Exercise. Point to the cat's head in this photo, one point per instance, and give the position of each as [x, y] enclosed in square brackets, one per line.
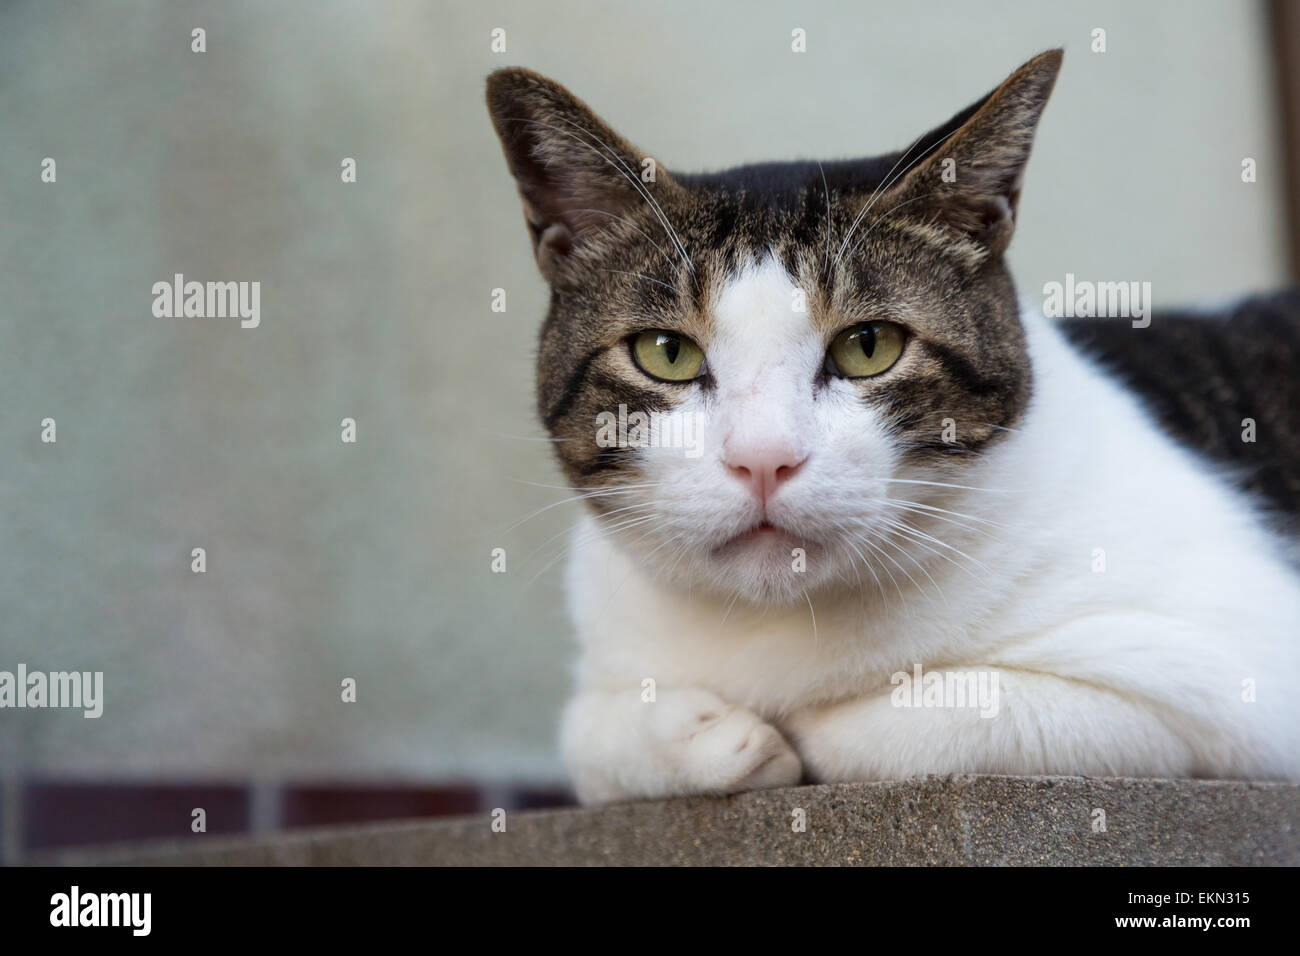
[754, 374]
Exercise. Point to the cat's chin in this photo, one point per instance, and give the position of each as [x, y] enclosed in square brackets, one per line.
[767, 565]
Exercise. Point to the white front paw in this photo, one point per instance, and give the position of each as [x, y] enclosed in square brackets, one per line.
[711, 746]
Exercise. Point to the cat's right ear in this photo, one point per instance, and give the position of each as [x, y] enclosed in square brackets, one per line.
[574, 173]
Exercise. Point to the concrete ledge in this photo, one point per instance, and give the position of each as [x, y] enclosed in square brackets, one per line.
[952, 820]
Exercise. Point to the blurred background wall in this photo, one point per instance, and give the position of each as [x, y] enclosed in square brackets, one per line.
[371, 560]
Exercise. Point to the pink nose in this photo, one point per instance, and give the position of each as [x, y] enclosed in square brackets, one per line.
[764, 469]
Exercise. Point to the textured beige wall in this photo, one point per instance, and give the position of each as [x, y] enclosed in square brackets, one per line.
[372, 560]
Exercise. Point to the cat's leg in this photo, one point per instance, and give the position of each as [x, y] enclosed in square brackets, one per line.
[1043, 725]
[618, 746]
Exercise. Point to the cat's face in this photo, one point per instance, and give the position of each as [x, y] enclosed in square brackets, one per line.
[763, 378]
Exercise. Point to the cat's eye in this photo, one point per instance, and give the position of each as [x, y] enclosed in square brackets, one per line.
[667, 356]
[865, 350]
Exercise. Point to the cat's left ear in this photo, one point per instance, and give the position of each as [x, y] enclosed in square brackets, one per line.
[971, 169]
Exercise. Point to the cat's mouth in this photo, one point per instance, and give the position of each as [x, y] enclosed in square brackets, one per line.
[762, 533]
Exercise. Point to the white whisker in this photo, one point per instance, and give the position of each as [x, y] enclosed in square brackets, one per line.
[942, 484]
[638, 275]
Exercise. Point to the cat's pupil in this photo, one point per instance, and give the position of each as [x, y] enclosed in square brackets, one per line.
[867, 341]
[671, 346]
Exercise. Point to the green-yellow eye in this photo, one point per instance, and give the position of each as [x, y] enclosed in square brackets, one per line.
[667, 356]
[865, 350]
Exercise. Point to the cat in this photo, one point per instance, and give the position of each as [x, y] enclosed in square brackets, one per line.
[902, 473]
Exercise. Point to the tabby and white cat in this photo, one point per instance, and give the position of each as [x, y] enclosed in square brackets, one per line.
[899, 468]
